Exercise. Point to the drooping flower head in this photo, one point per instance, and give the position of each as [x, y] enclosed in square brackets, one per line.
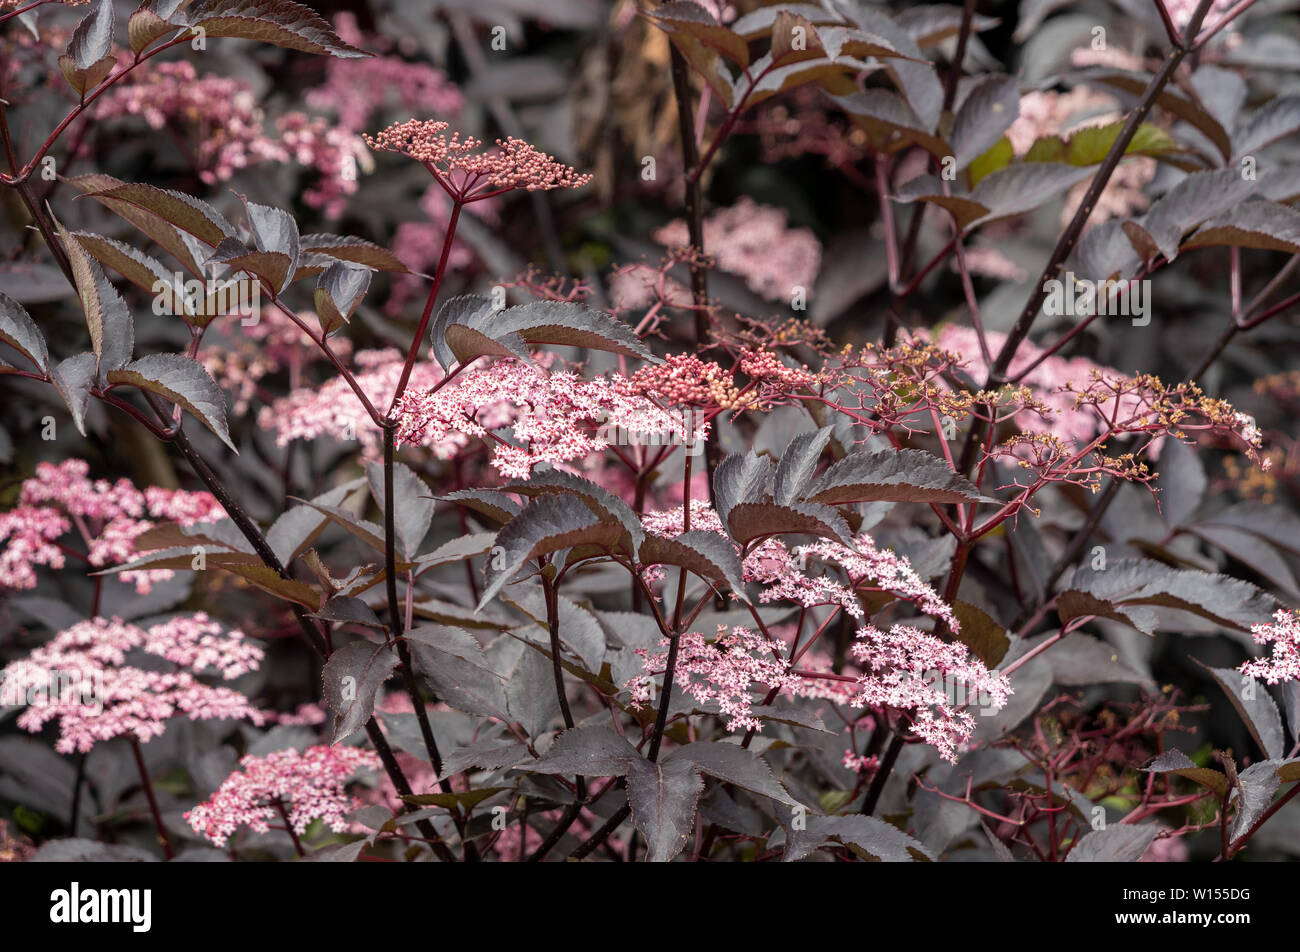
[309, 785]
[84, 679]
[467, 171]
[934, 684]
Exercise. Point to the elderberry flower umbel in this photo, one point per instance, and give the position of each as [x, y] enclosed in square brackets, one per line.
[114, 698]
[308, 785]
[470, 174]
[109, 518]
[1284, 663]
[934, 683]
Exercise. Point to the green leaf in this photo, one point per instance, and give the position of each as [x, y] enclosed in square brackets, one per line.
[352, 677]
[1171, 99]
[1091, 145]
[339, 292]
[278, 22]
[663, 797]
[997, 157]
[184, 382]
[19, 331]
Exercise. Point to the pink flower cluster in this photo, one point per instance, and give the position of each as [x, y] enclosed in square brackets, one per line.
[754, 242]
[555, 417]
[356, 89]
[308, 785]
[933, 682]
[223, 117]
[82, 679]
[221, 111]
[470, 174]
[109, 517]
[332, 409]
[1284, 635]
[784, 572]
[722, 670]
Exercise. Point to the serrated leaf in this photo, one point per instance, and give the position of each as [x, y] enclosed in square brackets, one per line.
[986, 639]
[340, 289]
[867, 834]
[530, 693]
[892, 476]
[546, 525]
[663, 797]
[363, 529]
[1174, 761]
[184, 382]
[296, 528]
[179, 244]
[890, 122]
[739, 478]
[600, 500]
[1255, 708]
[798, 463]
[352, 677]
[190, 214]
[350, 248]
[752, 520]
[707, 554]
[112, 331]
[694, 21]
[1117, 843]
[1171, 99]
[147, 25]
[19, 331]
[1090, 145]
[142, 270]
[1021, 188]
[454, 665]
[588, 751]
[1276, 119]
[497, 506]
[278, 22]
[457, 550]
[73, 379]
[1258, 224]
[87, 59]
[737, 766]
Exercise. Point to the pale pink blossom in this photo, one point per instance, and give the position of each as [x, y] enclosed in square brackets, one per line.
[1283, 633]
[82, 679]
[931, 681]
[755, 242]
[309, 785]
